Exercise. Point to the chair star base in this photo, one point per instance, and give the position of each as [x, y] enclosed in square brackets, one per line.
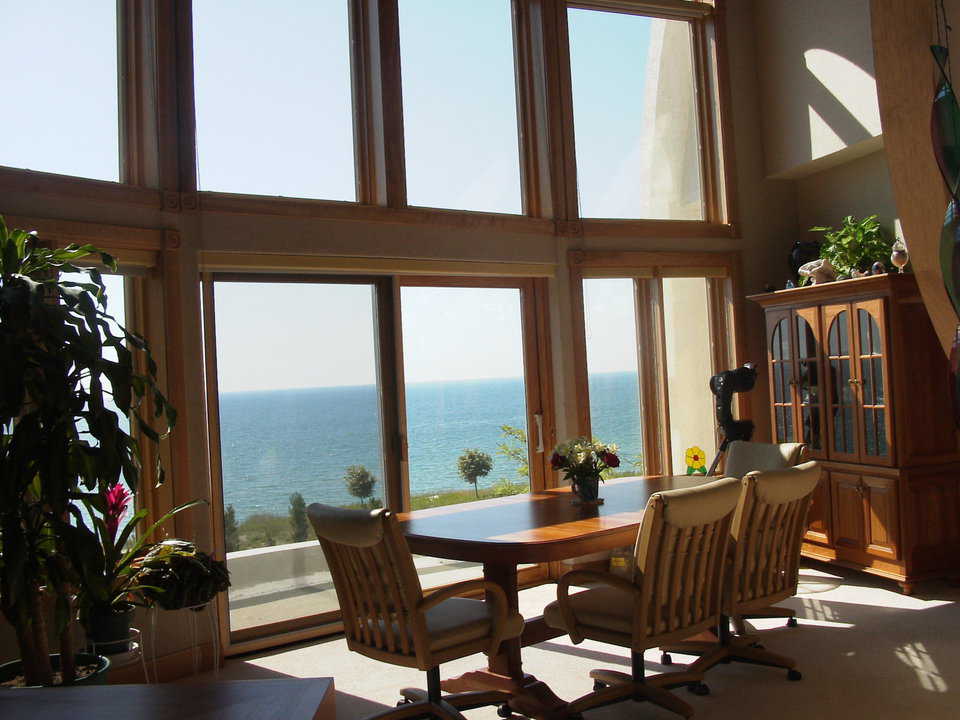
[611, 686]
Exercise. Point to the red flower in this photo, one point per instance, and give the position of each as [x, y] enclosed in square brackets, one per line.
[610, 460]
[117, 497]
[556, 461]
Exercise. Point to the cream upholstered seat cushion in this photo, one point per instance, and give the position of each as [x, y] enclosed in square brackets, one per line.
[456, 621]
[603, 607]
[743, 457]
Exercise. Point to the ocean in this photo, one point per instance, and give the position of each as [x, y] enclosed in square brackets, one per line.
[277, 442]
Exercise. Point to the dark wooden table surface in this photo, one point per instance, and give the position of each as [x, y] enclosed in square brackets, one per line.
[268, 699]
[536, 527]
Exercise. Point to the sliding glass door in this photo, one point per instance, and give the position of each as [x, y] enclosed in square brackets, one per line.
[298, 405]
[361, 392]
[473, 418]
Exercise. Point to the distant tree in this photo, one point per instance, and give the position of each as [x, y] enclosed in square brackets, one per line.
[298, 517]
[474, 464]
[360, 482]
[231, 531]
[514, 448]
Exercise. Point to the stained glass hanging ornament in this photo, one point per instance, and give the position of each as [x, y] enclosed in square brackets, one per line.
[945, 133]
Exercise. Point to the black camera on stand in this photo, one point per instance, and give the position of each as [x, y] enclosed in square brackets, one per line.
[723, 385]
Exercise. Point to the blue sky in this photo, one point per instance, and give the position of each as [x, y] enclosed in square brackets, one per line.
[273, 106]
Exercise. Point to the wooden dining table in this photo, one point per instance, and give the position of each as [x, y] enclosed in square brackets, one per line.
[536, 527]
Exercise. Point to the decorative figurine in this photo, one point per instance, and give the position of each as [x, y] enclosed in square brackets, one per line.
[899, 255]
[819, 271]
[878, 268]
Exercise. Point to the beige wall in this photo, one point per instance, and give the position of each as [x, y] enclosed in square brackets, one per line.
[820, 114]
[819, 98]
[860, 188]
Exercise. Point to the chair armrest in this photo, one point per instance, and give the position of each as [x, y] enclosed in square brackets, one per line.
[583, 576]
[577, 577]
[438, 596]
[495, 595]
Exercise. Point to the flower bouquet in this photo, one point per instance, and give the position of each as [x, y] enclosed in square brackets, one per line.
[582, 461]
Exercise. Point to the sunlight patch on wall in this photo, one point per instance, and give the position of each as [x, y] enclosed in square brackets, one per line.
[853, 87]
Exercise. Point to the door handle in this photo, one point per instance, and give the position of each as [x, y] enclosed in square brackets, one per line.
[538, 419]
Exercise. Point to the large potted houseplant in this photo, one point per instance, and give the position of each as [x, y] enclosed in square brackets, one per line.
[68, 376]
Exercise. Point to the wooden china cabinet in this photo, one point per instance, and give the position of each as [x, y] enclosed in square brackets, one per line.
[856, 373]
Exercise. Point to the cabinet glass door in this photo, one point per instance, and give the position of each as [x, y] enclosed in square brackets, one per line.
[872, 382]
[809, 397]
[841, 401]
[781, 378]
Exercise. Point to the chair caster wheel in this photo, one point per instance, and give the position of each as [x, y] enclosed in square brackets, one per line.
[504, 711]
[665, 659]
[794, 675]
[699, 688]
[791, 622]
[599, 685]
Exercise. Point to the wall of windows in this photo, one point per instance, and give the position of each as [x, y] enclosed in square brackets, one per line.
[204, 109]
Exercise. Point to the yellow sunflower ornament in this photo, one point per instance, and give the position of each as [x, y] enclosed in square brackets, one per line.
[696, 461]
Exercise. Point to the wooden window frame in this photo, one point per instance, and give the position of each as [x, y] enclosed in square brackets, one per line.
[710, 92]
[537, 365]
[648, 269]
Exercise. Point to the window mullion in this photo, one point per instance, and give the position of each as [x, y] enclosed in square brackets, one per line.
[652, 369]
[377, 103]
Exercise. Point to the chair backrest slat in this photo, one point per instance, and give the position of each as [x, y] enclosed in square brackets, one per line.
[679, 556]
[768, 531]
[374, 576]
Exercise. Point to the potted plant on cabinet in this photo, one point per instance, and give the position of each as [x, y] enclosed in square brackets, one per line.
[62, 439]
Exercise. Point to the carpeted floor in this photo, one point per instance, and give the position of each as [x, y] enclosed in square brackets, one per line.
[865, 650]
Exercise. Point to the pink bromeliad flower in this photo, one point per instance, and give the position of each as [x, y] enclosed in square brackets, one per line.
[118, 498]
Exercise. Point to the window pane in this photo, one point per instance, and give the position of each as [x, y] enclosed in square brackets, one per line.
[635, 117]
[687, 338]
[273, 98]
[611, 330]
[465, 401]
[459, 105]
[60, 79]
[299, 407]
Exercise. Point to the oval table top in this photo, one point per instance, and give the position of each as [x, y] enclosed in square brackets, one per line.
[539, 526]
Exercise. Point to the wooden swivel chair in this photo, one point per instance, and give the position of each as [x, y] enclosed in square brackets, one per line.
[742, 458]
[387, 617]
[674, 593]
[764, 563]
